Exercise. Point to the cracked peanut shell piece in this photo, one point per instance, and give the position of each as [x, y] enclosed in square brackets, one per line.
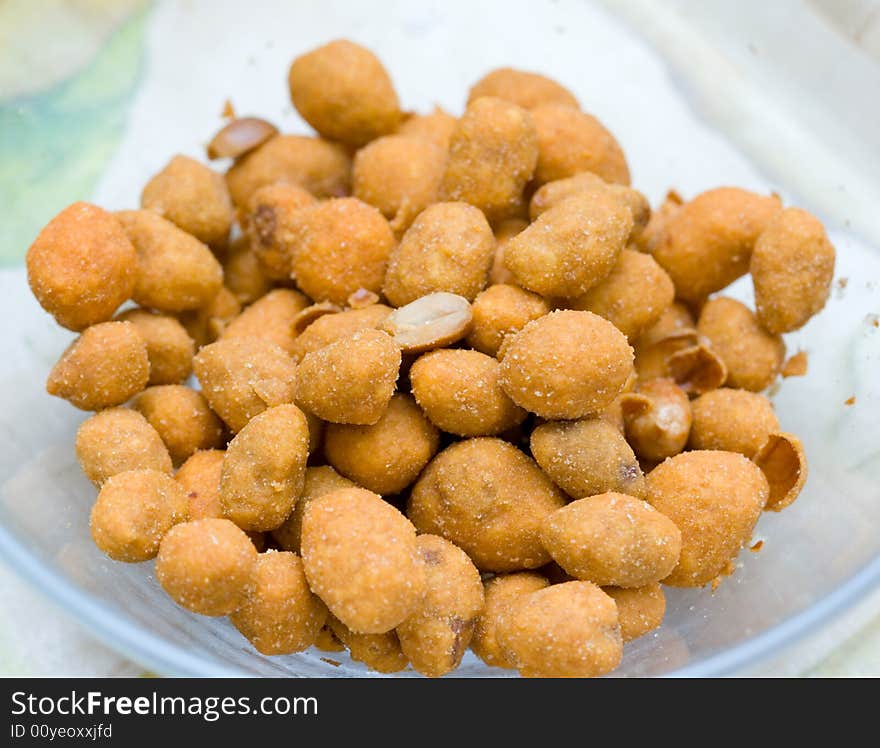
[264, 468]
[752, 355]
[193, 197]
[170, 349]
[206, 566]
[389, 455]
[708, 242]
[732, 420]
[345, 247]
[105, 366]
[633, 296]
[569, 630]
[176, 272]
[587, 457]
[612, 540]
[200, 478]
[566, 365]
[273, 222]
[459, 392]
[523, 88]
[502, 310]
[784, 463]
[380, 652]
[134, 511]
[649, 237]
[489, 499]
[82, 266]
[279, 614]
[657, 419]
[437, 634]
[499, 592]
[241, 377]
[116, 440]
[640, 610]
[571, 247]
[351, 380]
[715, 499]
[344, 92]
[792, 268]
[361, 559]
[182, 417]
[448, 248]
[319, 481]
[571, 142]
[270, 318]
[400, 176]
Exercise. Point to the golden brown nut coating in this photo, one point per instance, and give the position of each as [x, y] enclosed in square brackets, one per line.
[346, 244]
[647, 239]
[566, 365]
[433, 321]
[589, 184]
[318, 482]
[182, 417]
[82, 266]
[332, 327]
[105, 366]
[752, 355]
[241, 377]
[504, 232]
[502, 310]
[492, 155]
[133, 512]
[400, 175]
[657, 419]
[351, 380]
[459, 391]
[715, 498]
[176, 272]
[344, 92]
[169, 347]
[389, 455]
[639, 610]
[499, 591]
[205, 325]
[733, 421]
[361, 559]
[449, 247]
[206, 566]
[613, 540]
[381, 652]
[571, 142]
[270, 318]
[264, 468]
[675, 319]
[489, 499]
[522, 88]
[200, 478]
[239, 137]
[437, 634]
[632, 297]
[322, 168]
[784, 463]
[571, 247]
[327, 641]
[436, 127]
[243, 272]
[587, 457]
[569, 630]
[279, 615]
[116, 440]
[792, 268]
[707, 244]
[193, 197]
[273, 225]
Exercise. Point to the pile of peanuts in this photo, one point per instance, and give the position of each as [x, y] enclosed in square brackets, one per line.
[456, 384]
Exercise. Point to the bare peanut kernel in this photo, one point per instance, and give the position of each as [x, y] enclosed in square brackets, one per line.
[433, 321]
[240, 136]
[657, 419]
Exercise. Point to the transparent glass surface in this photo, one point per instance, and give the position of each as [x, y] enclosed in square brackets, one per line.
[819, 557]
